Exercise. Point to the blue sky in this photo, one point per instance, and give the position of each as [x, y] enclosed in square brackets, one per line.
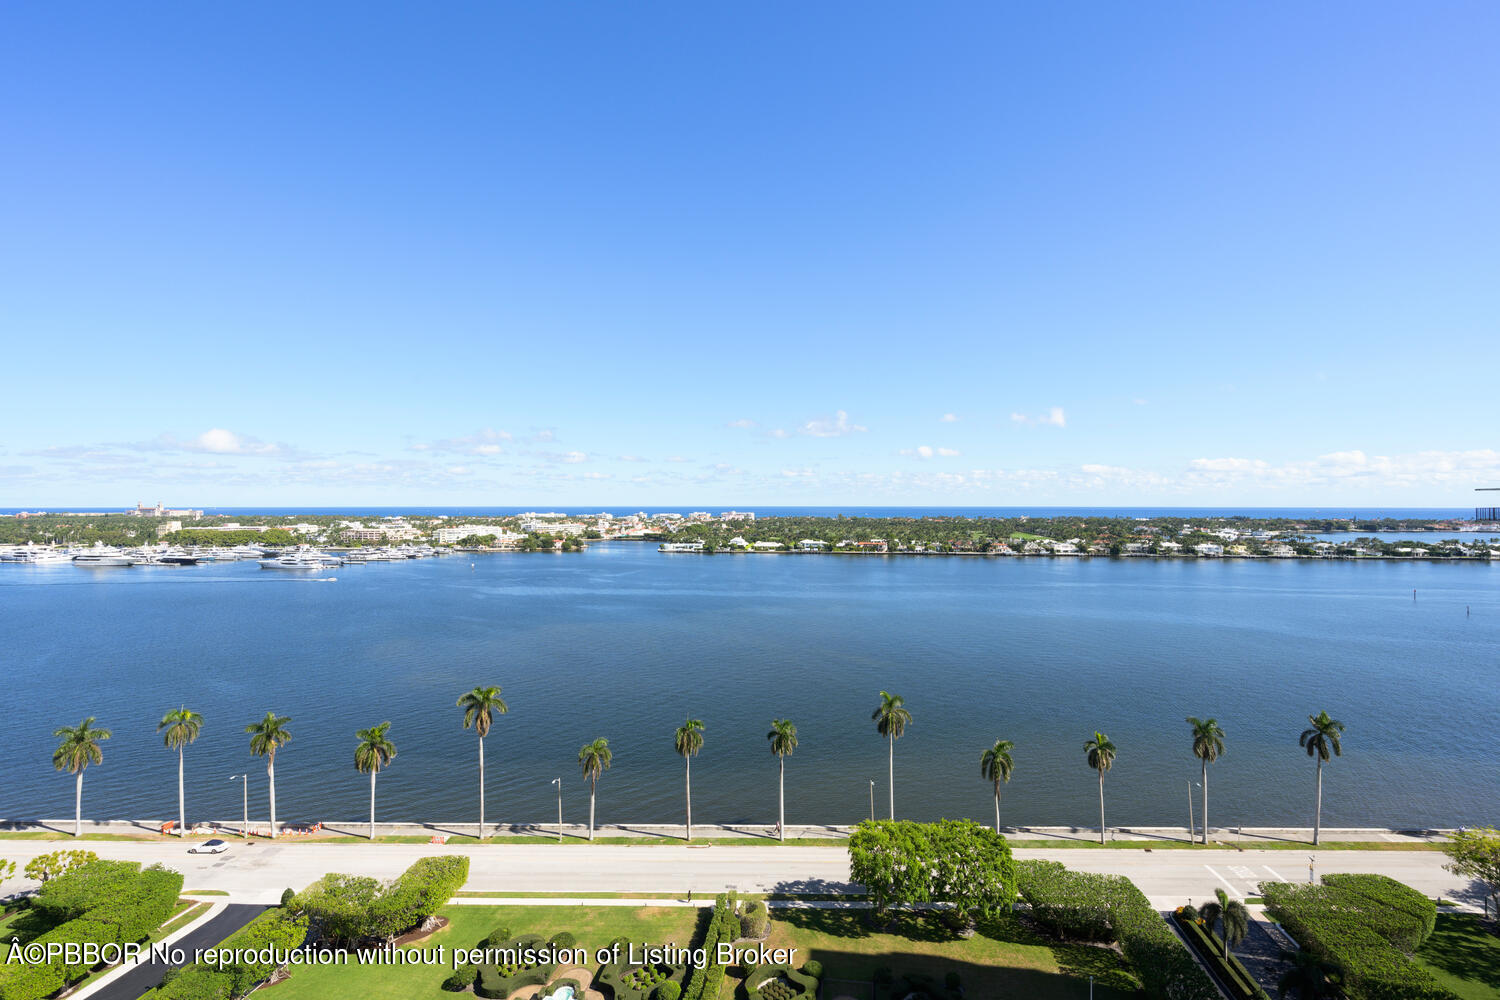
[776, 253]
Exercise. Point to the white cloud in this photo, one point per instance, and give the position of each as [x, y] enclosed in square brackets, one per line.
[780, 433]
[574, 457]
[743, 422]
[598, 475]
[1054, 417]
[677, 458]
[487, 442]
[928, 451]
[797, 473]
[632, 458]
[950, 418]
[838, 426]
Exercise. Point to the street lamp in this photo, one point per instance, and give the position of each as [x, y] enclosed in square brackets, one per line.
[558, 783]
[244, 780]
[872, 800]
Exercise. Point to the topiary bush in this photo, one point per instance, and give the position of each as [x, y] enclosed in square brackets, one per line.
[461, 978]
[668, 990]
[813, 967]
[563, 940]
[755, 920]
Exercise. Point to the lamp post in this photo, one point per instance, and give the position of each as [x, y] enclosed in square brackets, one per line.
[872, 800]
[558, 783]
[244, 780]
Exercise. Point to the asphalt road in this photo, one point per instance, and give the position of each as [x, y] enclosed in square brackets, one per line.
[147, 975]
[258, 872]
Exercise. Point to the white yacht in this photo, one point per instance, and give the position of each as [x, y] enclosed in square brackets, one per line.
[102, 556]
[302, 558]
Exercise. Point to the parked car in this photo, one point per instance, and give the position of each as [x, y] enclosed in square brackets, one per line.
[215, 846]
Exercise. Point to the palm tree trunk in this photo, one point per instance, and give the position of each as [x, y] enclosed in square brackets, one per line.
[1205, 802]
[781, 798]
[593, 787]
[271, 776]
[1101, 808]
[689, 798]
[78, 805]
[891, 772]
[997, 807]
[372, 804]
[481, 788]
[181, 801]
[1318, 816]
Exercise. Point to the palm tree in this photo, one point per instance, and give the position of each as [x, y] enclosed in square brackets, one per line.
[595, 759]
[480, 706]
[783, 737]
[375, 751]
[995, 764]
[1236, 921]
[181, 728]
[77, 748]
[1307, 978]
[266, 737]
[1208, 744]
[1230, 912]
[689, 742]
[1323, 737]
[891, 720]
[1101, 757]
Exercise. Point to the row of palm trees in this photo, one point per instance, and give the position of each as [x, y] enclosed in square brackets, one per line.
[78, 747]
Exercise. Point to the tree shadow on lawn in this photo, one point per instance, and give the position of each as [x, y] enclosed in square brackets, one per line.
[1463, 947]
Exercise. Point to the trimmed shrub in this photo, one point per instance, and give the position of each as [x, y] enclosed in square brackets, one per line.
[30, 982]
[288, 897]
[70, 896]
[1242, 986]
[1111, 908]
[348, 909]
[668, 990]
[562, 940]
[813, 967]
[461, 978]
[195, 982]
[755, 919]
[498, 937]
[1408, 917]
[1352, 933]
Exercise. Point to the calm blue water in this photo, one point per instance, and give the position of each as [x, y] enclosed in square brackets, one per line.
[624, 642]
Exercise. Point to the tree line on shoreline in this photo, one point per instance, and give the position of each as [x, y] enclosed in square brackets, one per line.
[80, 746]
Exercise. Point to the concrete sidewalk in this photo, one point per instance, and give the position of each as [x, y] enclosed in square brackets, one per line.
[573, 832]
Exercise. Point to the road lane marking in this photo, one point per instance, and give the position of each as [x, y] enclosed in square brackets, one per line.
[1273, 872]
[1232, 890]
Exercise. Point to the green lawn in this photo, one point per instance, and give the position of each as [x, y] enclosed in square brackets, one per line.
[594, 927]
[1463, 956]
[1004, 959]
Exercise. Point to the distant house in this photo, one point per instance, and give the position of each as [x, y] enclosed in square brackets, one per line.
[1209, 549]
[767, 546]
[811, 545]
[1282, 551]
[680, 547]
[1169, 546]
[1064, 549]
[1137, 548]
[738, 542]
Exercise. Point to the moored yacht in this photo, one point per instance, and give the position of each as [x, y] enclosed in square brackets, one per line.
[101, 556]
[301, 558]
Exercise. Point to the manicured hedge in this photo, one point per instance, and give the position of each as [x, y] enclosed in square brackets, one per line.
[102, 903]
[278, 929]
[704, 983]
[497, 983]
[755, 920]
[615, 976]
[1412, 915]
[1242, 985]
[804, 986]
[1092, 907]
[1352, 932]
[349, 909]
